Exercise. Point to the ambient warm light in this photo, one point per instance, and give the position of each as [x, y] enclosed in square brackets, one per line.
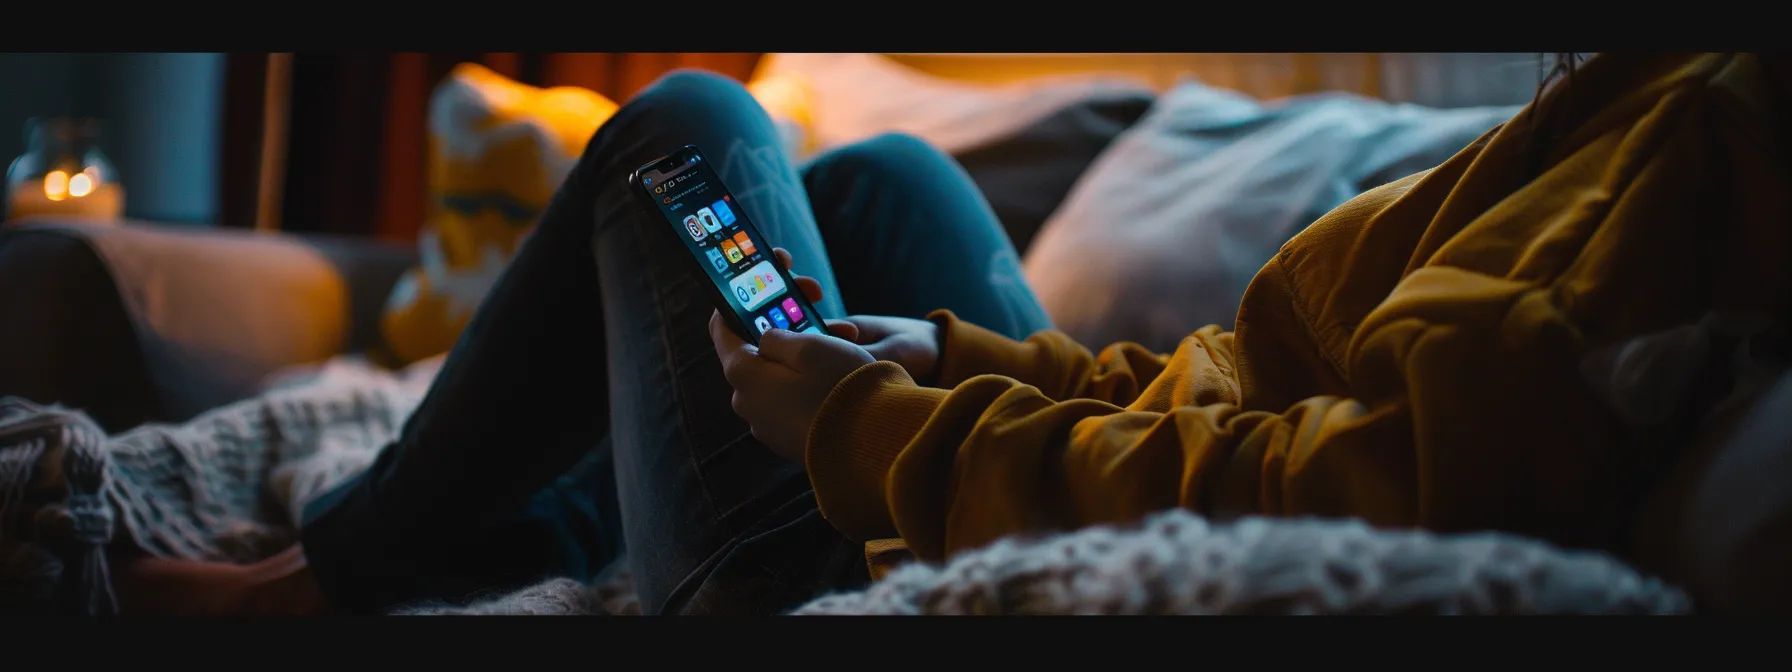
[56, 185]
[80, 185]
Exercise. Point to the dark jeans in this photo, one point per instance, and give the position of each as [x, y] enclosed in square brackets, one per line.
[583, 410]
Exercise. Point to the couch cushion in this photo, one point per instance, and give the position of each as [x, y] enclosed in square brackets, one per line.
[67, 337]
[201, 316]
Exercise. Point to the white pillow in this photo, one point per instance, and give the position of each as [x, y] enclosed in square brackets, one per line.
[856, 96]
[1164, 231]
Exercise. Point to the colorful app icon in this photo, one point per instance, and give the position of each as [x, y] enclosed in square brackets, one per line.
[715, 258]
[796, 314]
[745, 243]
[778, 318]
[763, 325]
[691, 225]
[710, 223]
[723, 211]
[759, 284]
[732, 252]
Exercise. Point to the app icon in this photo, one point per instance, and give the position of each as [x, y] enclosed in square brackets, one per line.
[763, 325]
[812, 329]
[778, 318]
[745, 243]
[722, 211]
[796, 314]
[715, 258]
[691, 225]
[710, 223]
[732, 252]
[759, 284]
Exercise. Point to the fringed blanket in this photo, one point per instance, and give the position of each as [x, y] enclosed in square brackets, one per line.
[229, 485]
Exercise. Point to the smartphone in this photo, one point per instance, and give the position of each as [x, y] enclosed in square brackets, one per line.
[750, 290]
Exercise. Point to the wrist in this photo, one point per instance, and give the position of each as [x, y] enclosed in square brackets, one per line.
[931, 376]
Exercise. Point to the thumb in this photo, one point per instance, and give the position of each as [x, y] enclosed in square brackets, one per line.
[812, 354]
[782, 346]
[846, 329]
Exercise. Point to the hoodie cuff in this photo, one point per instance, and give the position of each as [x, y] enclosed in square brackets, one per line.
[968, 351]
[866, 421]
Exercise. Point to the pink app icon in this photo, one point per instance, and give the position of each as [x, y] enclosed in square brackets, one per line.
[796, 314]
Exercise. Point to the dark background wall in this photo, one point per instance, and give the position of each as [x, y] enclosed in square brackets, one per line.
[162, 114]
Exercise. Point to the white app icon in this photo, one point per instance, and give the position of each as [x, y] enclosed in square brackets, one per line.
[763, 325]
[690, 225]
[710, 222]
[759, 284]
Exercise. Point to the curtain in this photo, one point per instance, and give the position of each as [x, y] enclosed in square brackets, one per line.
[355, 132]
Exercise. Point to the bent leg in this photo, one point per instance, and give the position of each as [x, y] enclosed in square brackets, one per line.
[555, 352]
[714, 521]
[909, 233]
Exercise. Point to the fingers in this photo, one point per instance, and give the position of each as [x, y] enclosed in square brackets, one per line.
[729, 345]
[870, 328]
[810, 286]
[844, 329]
[811, 354]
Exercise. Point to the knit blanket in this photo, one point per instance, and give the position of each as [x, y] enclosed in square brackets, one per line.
[229, 486]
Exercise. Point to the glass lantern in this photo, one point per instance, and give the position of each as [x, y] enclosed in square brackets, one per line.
[63, 172]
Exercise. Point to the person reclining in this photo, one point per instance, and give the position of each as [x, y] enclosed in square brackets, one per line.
[1487, 345]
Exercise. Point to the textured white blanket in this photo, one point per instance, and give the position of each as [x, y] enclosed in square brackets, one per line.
[229, 485]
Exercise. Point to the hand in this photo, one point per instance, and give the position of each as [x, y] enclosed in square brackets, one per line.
[780, 384]
[915, 344]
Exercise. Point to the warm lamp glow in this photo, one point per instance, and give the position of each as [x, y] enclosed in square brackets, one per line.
[56, 185]
[80, 185]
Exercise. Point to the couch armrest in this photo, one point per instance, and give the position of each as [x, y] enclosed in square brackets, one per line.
[205, 315]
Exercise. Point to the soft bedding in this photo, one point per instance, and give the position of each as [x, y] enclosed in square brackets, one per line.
[1166, 228]
[228, 486]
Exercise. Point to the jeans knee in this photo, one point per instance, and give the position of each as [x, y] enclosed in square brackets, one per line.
[888, 159]
[885, 153]
[685, 90]
[681, 98]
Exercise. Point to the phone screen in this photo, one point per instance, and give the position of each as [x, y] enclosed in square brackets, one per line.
[727, 246]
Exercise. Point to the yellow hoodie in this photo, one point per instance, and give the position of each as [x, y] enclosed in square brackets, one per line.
[1424, 356]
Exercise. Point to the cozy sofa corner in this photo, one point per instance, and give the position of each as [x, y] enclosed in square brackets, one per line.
[134, 322]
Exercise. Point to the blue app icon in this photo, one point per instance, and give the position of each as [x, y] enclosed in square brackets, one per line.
[779, 319]
[722, 212]
[715, 257]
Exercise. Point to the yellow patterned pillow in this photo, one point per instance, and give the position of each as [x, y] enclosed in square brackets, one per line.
[789, 102]
[497, 151]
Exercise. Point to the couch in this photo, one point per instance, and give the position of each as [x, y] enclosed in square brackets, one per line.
[134, 322]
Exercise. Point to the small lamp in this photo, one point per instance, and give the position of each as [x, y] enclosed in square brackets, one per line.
[63, 172]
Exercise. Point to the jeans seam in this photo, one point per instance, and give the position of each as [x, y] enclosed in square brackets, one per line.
[679, 396]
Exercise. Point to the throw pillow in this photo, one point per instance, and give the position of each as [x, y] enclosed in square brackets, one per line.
[497, 151]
